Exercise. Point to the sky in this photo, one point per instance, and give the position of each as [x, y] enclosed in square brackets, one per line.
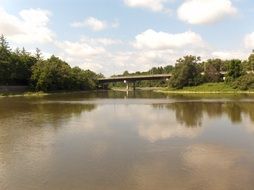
[111, 36]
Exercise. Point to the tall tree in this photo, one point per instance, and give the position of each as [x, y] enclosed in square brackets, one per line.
[235, 70]
[251, 62]
[5, 56]
[187, 72]
[212, 69]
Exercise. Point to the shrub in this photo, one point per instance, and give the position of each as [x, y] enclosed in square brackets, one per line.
[245, 82]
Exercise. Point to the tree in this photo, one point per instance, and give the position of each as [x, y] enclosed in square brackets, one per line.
[235, 70]
[186, 72]
[168, 69]
[21, 67]
[50, 75]
[55, 74]
[245, 82]
[126, 73]
[251, 62]
[38, 54]
[212, 70]
[5, 55]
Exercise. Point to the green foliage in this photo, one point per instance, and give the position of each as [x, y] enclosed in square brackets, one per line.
[245, 82]
[55, 74]
[250, 62]
[212, 70]
[50, 75]
[15, 67]
[83, 80]
[21, 68]
[5, 59]
[186, 73]
[210, 87]
[234, 70]
[126, 73]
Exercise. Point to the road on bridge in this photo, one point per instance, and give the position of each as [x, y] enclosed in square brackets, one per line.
[133, 79]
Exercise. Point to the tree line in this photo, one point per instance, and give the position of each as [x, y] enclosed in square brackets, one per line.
[20, 67]
[192, 71]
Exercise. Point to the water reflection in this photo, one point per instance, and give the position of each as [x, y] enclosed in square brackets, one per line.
[40, 112]
[217, 167]
[191, 114]
[162, 124]
[104, 141]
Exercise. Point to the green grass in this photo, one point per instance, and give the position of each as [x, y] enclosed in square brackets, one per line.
[210, 87]
[206, 88]
[23, 94]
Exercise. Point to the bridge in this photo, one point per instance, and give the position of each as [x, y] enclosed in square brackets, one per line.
[133, 79]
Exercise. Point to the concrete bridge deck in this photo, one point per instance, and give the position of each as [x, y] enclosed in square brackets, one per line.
[134, 78]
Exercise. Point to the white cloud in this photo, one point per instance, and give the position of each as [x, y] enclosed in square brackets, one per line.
[95, 24]
[87, 48]
[88, 53]
[153, 5]
[30, 26]
[226, 55]
[100, 41]
[249, 40]
[151, 39]
[205, 11]
[79, 49]
[112, 56]
[160, 127]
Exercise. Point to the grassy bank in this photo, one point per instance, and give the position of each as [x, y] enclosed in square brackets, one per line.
[40, 94]
[213, 88]
[208, 88]
[23, 94]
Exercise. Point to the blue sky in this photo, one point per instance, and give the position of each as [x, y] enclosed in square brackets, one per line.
[111, 36]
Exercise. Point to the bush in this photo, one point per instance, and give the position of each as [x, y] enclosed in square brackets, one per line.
[245, 82]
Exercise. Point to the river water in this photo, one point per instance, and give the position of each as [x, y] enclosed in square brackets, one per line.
[119, 141]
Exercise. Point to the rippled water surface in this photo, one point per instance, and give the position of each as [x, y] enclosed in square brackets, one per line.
[115, 141]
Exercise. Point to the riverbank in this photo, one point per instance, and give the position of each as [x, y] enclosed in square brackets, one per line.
[208, 88]
[38, 94]
[24, 94]
[138, 88]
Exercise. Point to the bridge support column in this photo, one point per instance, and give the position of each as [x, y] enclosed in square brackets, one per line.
[134, 86]
[127, 86]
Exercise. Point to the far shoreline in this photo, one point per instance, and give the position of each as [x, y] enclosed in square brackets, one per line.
[203, 92]
[205, 89]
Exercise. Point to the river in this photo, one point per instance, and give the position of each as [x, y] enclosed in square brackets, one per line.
[118, 141]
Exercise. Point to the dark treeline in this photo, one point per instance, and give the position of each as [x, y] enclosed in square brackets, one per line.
[20, 67]
[192, 71]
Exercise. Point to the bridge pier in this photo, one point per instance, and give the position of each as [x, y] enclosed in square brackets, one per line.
[127, 86]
